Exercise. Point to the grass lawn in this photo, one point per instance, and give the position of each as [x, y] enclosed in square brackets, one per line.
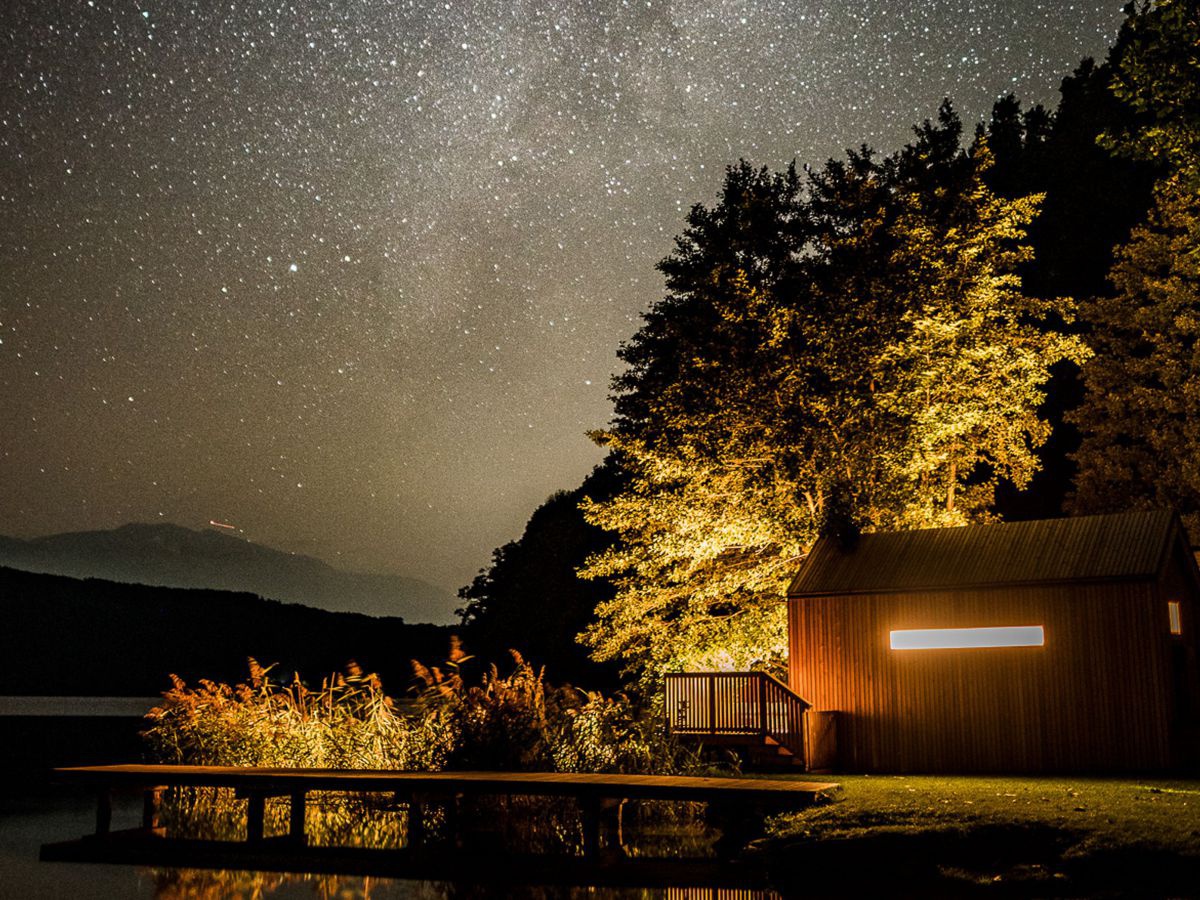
[996, 836]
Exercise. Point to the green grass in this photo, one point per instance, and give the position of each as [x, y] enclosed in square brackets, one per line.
[999, 836]
[1103, 812]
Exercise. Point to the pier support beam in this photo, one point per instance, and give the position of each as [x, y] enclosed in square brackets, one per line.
[613, 810]
[256, 805]
[589, 810]
[600, 816]
[296, 835]
[104, 798]
[416, 819]
[151, 801]
[454, 817]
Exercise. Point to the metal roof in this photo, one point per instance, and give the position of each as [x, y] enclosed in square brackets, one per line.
[1121, 546]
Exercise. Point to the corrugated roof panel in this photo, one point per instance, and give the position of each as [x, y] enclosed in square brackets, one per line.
[1123, 545]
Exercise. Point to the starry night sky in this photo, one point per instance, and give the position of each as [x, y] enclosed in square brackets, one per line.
[351, 274]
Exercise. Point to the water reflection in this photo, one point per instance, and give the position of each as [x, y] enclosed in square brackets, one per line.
[502, 834]
[542, 825]
[391, 889]
[465, 842]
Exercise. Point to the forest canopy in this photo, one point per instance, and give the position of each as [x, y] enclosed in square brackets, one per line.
[966, 330]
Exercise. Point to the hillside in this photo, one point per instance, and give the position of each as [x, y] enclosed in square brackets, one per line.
[92, 637]
[174, 556]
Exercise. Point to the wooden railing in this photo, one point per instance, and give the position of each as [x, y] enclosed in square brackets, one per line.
[735, 703]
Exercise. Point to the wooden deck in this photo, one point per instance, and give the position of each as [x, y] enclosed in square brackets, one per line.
[281, 782]
[770, 723]
[595, 793]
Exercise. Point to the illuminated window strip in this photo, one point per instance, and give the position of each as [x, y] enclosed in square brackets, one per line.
[1174, 617]
[967, 638]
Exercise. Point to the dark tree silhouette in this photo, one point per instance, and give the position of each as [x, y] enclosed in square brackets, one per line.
[530, 598]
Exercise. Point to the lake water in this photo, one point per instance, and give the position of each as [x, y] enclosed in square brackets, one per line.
[26, 824]
[44, 731]
[78, 707]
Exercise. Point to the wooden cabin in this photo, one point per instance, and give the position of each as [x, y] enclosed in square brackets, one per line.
[1063, 645]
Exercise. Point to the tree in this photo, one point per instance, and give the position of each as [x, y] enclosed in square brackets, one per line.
[689, 430]
[1142, 389]
[1159, 77]
[1073, 238]
[851, 351]
[965, 377]
[530, 599]
[1141, 442]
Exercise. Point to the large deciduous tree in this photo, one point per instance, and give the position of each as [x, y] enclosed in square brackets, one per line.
[708, 386]
[964, 377]
[845, 351]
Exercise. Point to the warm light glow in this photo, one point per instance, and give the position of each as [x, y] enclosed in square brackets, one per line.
[962, 638]
[1173, 614]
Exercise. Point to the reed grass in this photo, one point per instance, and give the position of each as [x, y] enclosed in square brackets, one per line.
[448, 720]
[514, 721]
[348, 723]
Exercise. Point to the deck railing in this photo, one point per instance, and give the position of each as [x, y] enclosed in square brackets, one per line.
[735, 703]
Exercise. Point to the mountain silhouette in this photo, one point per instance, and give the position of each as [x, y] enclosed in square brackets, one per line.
[89, 637]
[174, 556]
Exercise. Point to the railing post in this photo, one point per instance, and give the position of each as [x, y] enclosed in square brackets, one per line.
[712, 704]
[763, 720]
[804, 737]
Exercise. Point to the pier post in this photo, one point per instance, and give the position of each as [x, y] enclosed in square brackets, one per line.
[589, 809]
[103, 811]
[613, 821]
[151, 800]
[296, 833]
[256, 804]
[454, 819]
[416, 820]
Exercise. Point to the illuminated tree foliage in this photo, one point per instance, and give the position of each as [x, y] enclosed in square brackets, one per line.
[1142, 388]
[964, 377]
[1159, 77]
[1141, 442]
[847, 350]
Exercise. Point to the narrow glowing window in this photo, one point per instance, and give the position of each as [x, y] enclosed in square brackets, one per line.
[962, 638]
[1173, 615]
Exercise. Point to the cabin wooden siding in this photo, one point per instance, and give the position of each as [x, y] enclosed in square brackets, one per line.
[1096, 697]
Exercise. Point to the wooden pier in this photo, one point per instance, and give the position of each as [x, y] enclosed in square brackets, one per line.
[595, 793]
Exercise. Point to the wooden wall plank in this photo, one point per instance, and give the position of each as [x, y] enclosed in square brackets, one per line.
[1096, 697]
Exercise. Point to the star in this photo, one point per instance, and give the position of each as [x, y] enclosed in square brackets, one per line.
[478, 193]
